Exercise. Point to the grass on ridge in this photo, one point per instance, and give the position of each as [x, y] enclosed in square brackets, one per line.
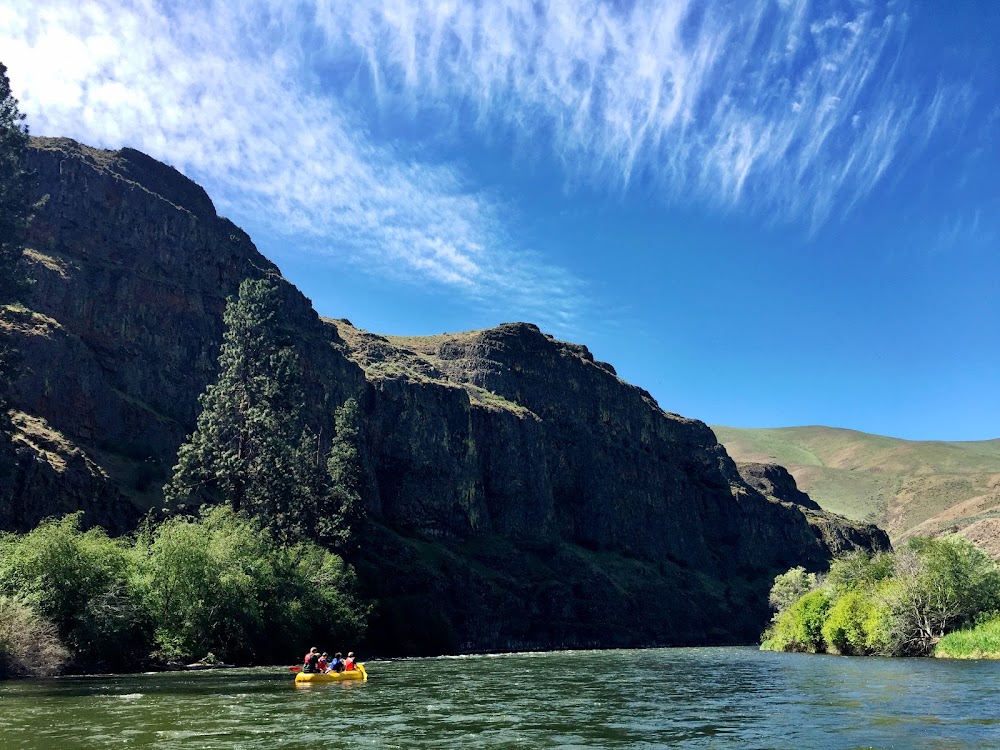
[902, 485]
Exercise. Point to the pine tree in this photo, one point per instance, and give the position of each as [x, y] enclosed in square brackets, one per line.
[251, 447]
[344, 467]
[15, 213]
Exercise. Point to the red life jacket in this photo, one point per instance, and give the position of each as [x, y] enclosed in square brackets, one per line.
[349, 663]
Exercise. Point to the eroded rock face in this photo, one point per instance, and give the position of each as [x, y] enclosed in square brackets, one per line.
[775, 481]
[515, 487]
[837, 533]
[132, 269]
[567, 449]
[43, 474]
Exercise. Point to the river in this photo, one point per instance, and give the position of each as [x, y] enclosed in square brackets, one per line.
[682, 698]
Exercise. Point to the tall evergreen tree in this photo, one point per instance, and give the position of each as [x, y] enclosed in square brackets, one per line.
[15, 212]
[250, 445]
[344, 467]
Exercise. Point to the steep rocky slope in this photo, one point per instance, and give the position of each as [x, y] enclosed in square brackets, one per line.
[838, 533]
[519, 494]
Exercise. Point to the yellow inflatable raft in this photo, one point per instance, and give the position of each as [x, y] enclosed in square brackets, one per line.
[358, 673]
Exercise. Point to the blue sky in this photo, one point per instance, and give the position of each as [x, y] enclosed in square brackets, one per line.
[765, 212]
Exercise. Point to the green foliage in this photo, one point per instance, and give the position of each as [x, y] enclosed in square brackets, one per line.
[939, 585]
[79, 581]
[893, 605]
[979, 642]
[344, 468]
[858, 571]
[790, 587]
[29, 644]
[251, 446]
[853, 625]
[15, 213]
[800, 627]
[218, 583]
[221, 583]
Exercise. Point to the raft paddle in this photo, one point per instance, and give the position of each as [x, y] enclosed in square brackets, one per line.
[295, 669]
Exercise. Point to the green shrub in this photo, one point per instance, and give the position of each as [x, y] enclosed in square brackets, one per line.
[855, 624]
[217, 583]
[897, 604]
[938, 585]
[221, 583]
[800, 626]
[78, 581]
[790, 587]
[858, 571]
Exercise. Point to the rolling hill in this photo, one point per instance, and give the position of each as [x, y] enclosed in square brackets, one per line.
[907, 487]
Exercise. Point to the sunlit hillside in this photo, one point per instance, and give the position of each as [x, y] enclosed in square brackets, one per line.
[907, 487]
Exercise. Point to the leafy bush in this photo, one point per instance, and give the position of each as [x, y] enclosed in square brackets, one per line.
[216, 583]
[790, 587]
[858, 571]
[221, 583]
[853, 626]
[78, 581]
[800, 627]
[894, 605]
[29, 644]
[943, 584]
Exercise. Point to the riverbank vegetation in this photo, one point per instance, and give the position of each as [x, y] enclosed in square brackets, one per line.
[901, 603]
[217, 582]
[250, 578]
[981, 641]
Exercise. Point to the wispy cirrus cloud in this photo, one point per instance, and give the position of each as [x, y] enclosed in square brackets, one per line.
[217, 89]
[788, 108]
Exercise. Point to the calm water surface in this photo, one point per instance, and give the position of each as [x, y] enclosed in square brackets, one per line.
[683, 698]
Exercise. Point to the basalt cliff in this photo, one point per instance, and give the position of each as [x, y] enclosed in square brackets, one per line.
[518, 494]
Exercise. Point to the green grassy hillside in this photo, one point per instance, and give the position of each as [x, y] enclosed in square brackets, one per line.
[907, 487]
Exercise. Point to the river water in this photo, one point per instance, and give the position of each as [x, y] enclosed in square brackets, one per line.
[682, 698]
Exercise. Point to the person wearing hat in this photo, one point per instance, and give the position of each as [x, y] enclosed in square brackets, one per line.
[349, 661]
[324, 663]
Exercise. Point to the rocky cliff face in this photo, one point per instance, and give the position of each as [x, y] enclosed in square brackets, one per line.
[519, 493]
[837, 533]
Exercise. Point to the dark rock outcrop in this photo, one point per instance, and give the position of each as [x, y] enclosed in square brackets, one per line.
[837, 533]
[519, 494]
[774, 481]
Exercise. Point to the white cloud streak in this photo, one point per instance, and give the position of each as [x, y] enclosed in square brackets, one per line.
[217, 91]
[789, 109]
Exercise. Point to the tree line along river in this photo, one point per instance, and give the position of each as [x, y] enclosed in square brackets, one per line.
[683, 698]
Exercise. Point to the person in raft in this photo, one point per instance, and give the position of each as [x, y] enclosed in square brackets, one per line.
[349, 661]
[337, 665]
[311, 662]
[324, 662]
